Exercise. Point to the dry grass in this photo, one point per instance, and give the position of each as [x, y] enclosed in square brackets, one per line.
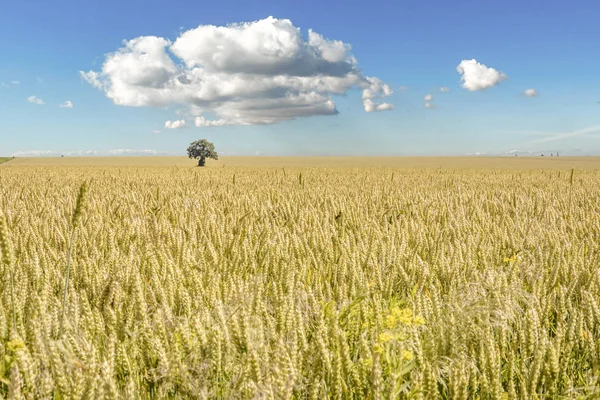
[365, 278]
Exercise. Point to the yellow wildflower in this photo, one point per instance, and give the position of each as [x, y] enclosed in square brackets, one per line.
[404, 315]
[407, 355]
[385, 337]
[15, 345]
[391, 321]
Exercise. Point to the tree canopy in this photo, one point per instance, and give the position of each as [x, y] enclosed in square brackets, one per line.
[201, 150]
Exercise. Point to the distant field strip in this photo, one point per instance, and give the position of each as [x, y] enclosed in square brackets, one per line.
[381, 279]
[4, 159]
[341, 162]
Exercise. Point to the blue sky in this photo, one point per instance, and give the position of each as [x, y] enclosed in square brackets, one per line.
[413, 48]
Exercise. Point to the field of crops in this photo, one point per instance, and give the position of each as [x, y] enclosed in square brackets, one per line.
[300, 278]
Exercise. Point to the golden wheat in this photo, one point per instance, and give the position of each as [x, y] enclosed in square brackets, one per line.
[304, 282]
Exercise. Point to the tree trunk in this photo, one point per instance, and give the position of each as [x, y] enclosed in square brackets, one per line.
[201, 161]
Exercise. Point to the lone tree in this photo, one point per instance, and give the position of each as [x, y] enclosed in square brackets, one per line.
[202, 149]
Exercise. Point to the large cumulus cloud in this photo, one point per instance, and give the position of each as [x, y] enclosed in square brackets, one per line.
[261, 72]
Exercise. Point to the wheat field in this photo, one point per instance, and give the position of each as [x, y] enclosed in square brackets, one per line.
[300, 278]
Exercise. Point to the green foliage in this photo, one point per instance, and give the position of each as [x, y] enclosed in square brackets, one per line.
[201, 150]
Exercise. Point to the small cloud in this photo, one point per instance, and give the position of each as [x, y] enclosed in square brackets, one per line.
[444, 89]
[156, 131]
[374, 88]
[428, 97]
[402, 88]
[35, 100]
[430, 106]
[203, 122]
[66, 104]
[370, 106]
[477, 76]
[531, 93]
[179, 124]
[15, 82]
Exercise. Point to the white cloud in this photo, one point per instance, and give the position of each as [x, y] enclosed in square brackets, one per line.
[66, 104]
[531, 93]
[175, 124]
[370, 106]
[156, 131]
[403, 88]
[428, 97]
[202, 122]
[35, 100]
[477, 76]
[374, 88]
[261, 72]
[430, 106]
[7, 85]
[52, 153]
[444, 89]
[85, 153]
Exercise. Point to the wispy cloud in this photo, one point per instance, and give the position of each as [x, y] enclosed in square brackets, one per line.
[428, 97]
[132, 152]
[35, 100]
[430, 105]
[444, 89]
[66, 104]
[54, 153]
[88, 153]
[7, 85]
[551, 137]
[36, 153]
